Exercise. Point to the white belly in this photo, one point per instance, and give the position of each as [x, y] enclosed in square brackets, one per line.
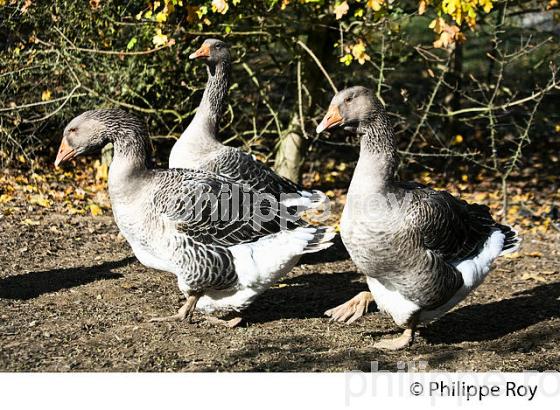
[147, 257]
[227, 301]
[235, 299]
[390, 301]
[473, 271]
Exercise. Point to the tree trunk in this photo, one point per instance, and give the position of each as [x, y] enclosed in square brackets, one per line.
[107, 154]
[289, 154]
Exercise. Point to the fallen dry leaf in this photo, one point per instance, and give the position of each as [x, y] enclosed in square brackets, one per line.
[533, 276]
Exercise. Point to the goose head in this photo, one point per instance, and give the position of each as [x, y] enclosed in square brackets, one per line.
[85, 133]
[92, 130]
[212, 51]
[350, 107]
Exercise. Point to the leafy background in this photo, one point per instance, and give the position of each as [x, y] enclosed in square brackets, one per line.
[471, 86]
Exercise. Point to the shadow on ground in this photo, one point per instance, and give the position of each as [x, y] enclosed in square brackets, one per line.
[306, 296]
[490, 321]
[337, 252]
[33, 284]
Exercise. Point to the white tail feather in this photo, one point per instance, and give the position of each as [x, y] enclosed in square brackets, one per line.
[271, 257]
[515, 244]
[304, 200]
[260, 264]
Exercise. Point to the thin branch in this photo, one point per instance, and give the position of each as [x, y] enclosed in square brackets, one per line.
[105, 52]
[300, 103]
[60, 107]
[38, 103]
[314, 57]
[428, 106]
[510, 104]
[381, 77]
[265, 100]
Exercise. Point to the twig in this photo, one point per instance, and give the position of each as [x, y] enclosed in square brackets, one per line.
[314, 57]
[300, 103]
[428, 107]
[66, 99]
[106, 52]
[135, 107]
[510, 104]
[381, 77]
[38, 103]
[265, 100]
[517, 154]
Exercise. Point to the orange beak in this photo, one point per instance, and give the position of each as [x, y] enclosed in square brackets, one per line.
[202, 52]
[65, 153]
[331, 119]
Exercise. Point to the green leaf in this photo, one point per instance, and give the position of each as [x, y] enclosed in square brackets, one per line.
[131, 43]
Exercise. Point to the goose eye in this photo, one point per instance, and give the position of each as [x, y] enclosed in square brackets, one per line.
[72, 130]
[347, 100]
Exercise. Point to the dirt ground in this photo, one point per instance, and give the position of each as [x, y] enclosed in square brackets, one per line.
[74, 298]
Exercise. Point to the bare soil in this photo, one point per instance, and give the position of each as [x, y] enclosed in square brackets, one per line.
[74, 298]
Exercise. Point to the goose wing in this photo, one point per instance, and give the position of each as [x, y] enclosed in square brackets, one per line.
[449, 227]
[214, 209]
[240, 166]
[206, 266]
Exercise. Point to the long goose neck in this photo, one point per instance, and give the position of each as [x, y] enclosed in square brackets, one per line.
[214, 98]
[131, 147]
[379, 158]
[130, 156]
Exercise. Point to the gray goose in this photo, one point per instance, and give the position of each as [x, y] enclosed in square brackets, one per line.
[199, 147]
[422, 250]
[223, 242]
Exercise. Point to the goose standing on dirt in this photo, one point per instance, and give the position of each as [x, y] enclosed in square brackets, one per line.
[225, 248]
[199, 147]
[422, 250]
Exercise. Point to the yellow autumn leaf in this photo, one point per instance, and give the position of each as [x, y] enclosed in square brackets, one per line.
[437, 25]
[101, 171]
[29, 222]
[375, 4]
[46, 95]
[40, 200]
[95, 210]
[5, 198]
[161, 16]
[533, 276]
[159, 38]
[359, 52]
[422, 7]
[220, 6]
[486, 5]
[480, 196]
[25, 7]
[513, 255]
[347, 59]
[340, 9]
